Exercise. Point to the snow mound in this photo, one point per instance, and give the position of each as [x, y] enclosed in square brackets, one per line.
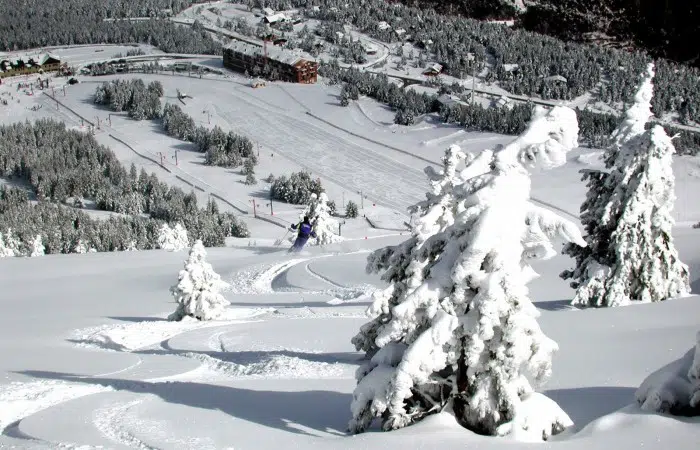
[19, 400]
[675, 388]
[387, 220]
[594, 158]
[271, 365]
[537, 418]
[134, 336]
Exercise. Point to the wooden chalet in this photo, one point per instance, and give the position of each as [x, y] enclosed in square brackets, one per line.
[11, 66]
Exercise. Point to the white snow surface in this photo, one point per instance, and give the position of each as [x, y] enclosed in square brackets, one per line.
[87, 359]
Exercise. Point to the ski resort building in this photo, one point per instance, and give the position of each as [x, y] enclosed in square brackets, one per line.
[272, 61]
[11, 66]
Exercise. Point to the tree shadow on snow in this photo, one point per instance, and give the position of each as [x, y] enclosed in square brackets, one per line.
[252, 358]
[586, 404]
[137, 319]
[556, 305]
[324, 411]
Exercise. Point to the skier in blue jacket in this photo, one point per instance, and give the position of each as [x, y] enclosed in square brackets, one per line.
[305, 230]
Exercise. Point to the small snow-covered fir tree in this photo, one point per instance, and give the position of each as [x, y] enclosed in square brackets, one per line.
[173, 239]
[7, 246]
[37, 247]
[320, 215]
[198, 291]
[13, 245]
[456, 330]
[627, 216]
[675, 388]
[81, 247]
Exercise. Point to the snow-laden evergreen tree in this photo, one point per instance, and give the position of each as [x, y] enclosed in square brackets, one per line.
[403, 264]
[173, 239]
[198, 290]
[456, 330]
[11, 245]
[627, 216]
[320, 215]
[37, 248]
[675, 388]
[7, 249]
[81, 247]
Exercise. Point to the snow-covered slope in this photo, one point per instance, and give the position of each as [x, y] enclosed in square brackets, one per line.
[88, 358]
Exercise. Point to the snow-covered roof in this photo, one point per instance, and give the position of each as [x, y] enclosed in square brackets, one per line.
[433, 68]
[274, 18]
[369, 47]
[268, 11]
[276, 53]
[383, 25]
[447, 100]
[510, 67]
[400, 31]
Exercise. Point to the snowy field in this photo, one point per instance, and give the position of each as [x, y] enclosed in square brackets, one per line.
[89, 361]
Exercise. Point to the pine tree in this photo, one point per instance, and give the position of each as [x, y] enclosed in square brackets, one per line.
[249, 170]
[324, 225]
[37, 247]
[627, 216]
[459, 332]
[172, 239]
[351, 210]
[5, 249]
[198, 289]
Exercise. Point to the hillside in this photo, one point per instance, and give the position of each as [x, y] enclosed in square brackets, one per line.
[664, 29]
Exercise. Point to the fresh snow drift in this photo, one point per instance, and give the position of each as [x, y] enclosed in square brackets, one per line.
[675, 388]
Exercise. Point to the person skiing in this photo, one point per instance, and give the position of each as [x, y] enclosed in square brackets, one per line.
[305, 230]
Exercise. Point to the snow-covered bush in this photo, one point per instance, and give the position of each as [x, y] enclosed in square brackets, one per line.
[675, 388]
[627, 216]
[37, 247]
[173, 239]
[324, 225]
[198, 291]
[456, 329]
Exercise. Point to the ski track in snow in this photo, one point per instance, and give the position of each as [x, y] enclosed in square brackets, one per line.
[22, 399]
[273, 366]
[112, 421]
[260, 279]
[134, 336]
[119, 422]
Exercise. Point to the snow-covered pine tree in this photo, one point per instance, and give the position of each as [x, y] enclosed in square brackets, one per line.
[324, 224]
[351, 210]
[627, 217]
[13, 243]
[5, 252]
[37, 247]
[198, 291]
[462, 334]
[402, 264]
[172, 239]
[81, 247]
